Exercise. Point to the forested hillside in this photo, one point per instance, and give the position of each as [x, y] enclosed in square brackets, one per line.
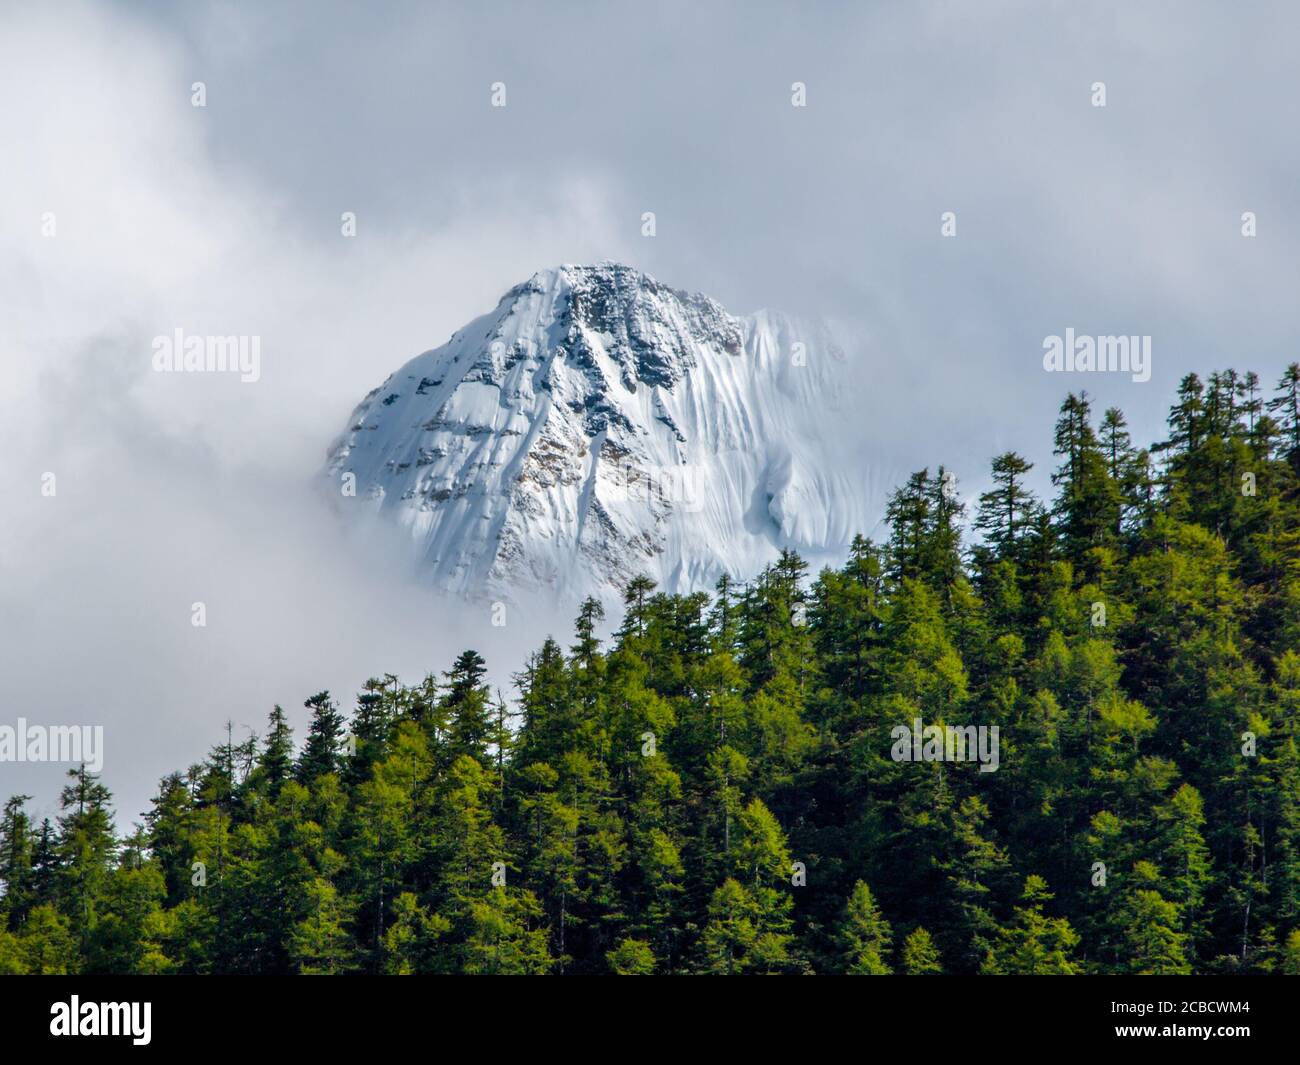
[712, 790]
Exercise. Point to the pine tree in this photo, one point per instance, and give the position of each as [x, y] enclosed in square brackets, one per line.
[17, 844]
[321, 753]
[505, 937]
[908, 516]
[1124, 467]
[1035, 944]
[466, 706]
[722, 623]
[1154, 944]
[749, 926]
[412, 940]
[319, 944]
[1007, 510]
[372, 724]
[1286, 404]
[1188, 866]
[47, 944]
[550, 719]
[864, 935]
[730, 938]
[86, 849]
[276, 765]
[920, 956]
[1086, 510]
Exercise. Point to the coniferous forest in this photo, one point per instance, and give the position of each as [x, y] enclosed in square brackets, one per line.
[711, 788]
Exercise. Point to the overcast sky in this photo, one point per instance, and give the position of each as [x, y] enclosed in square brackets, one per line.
[225, 219]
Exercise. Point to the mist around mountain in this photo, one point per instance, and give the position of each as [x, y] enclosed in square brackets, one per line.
[598, 424]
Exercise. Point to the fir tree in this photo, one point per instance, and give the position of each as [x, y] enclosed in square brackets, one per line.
[322, 751]
[920, 956]
[865, 935]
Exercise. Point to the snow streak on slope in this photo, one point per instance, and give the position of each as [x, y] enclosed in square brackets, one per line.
[596, 425]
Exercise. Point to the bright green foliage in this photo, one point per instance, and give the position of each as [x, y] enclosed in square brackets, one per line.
[410, 944]
[632, 957]
[1155, 945]
[1035, 944]
[505, 936]
[920, 956]
[865, 935]
[319, 944]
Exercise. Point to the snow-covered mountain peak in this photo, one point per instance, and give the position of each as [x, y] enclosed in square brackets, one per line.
[648, 329]
[598, 424]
